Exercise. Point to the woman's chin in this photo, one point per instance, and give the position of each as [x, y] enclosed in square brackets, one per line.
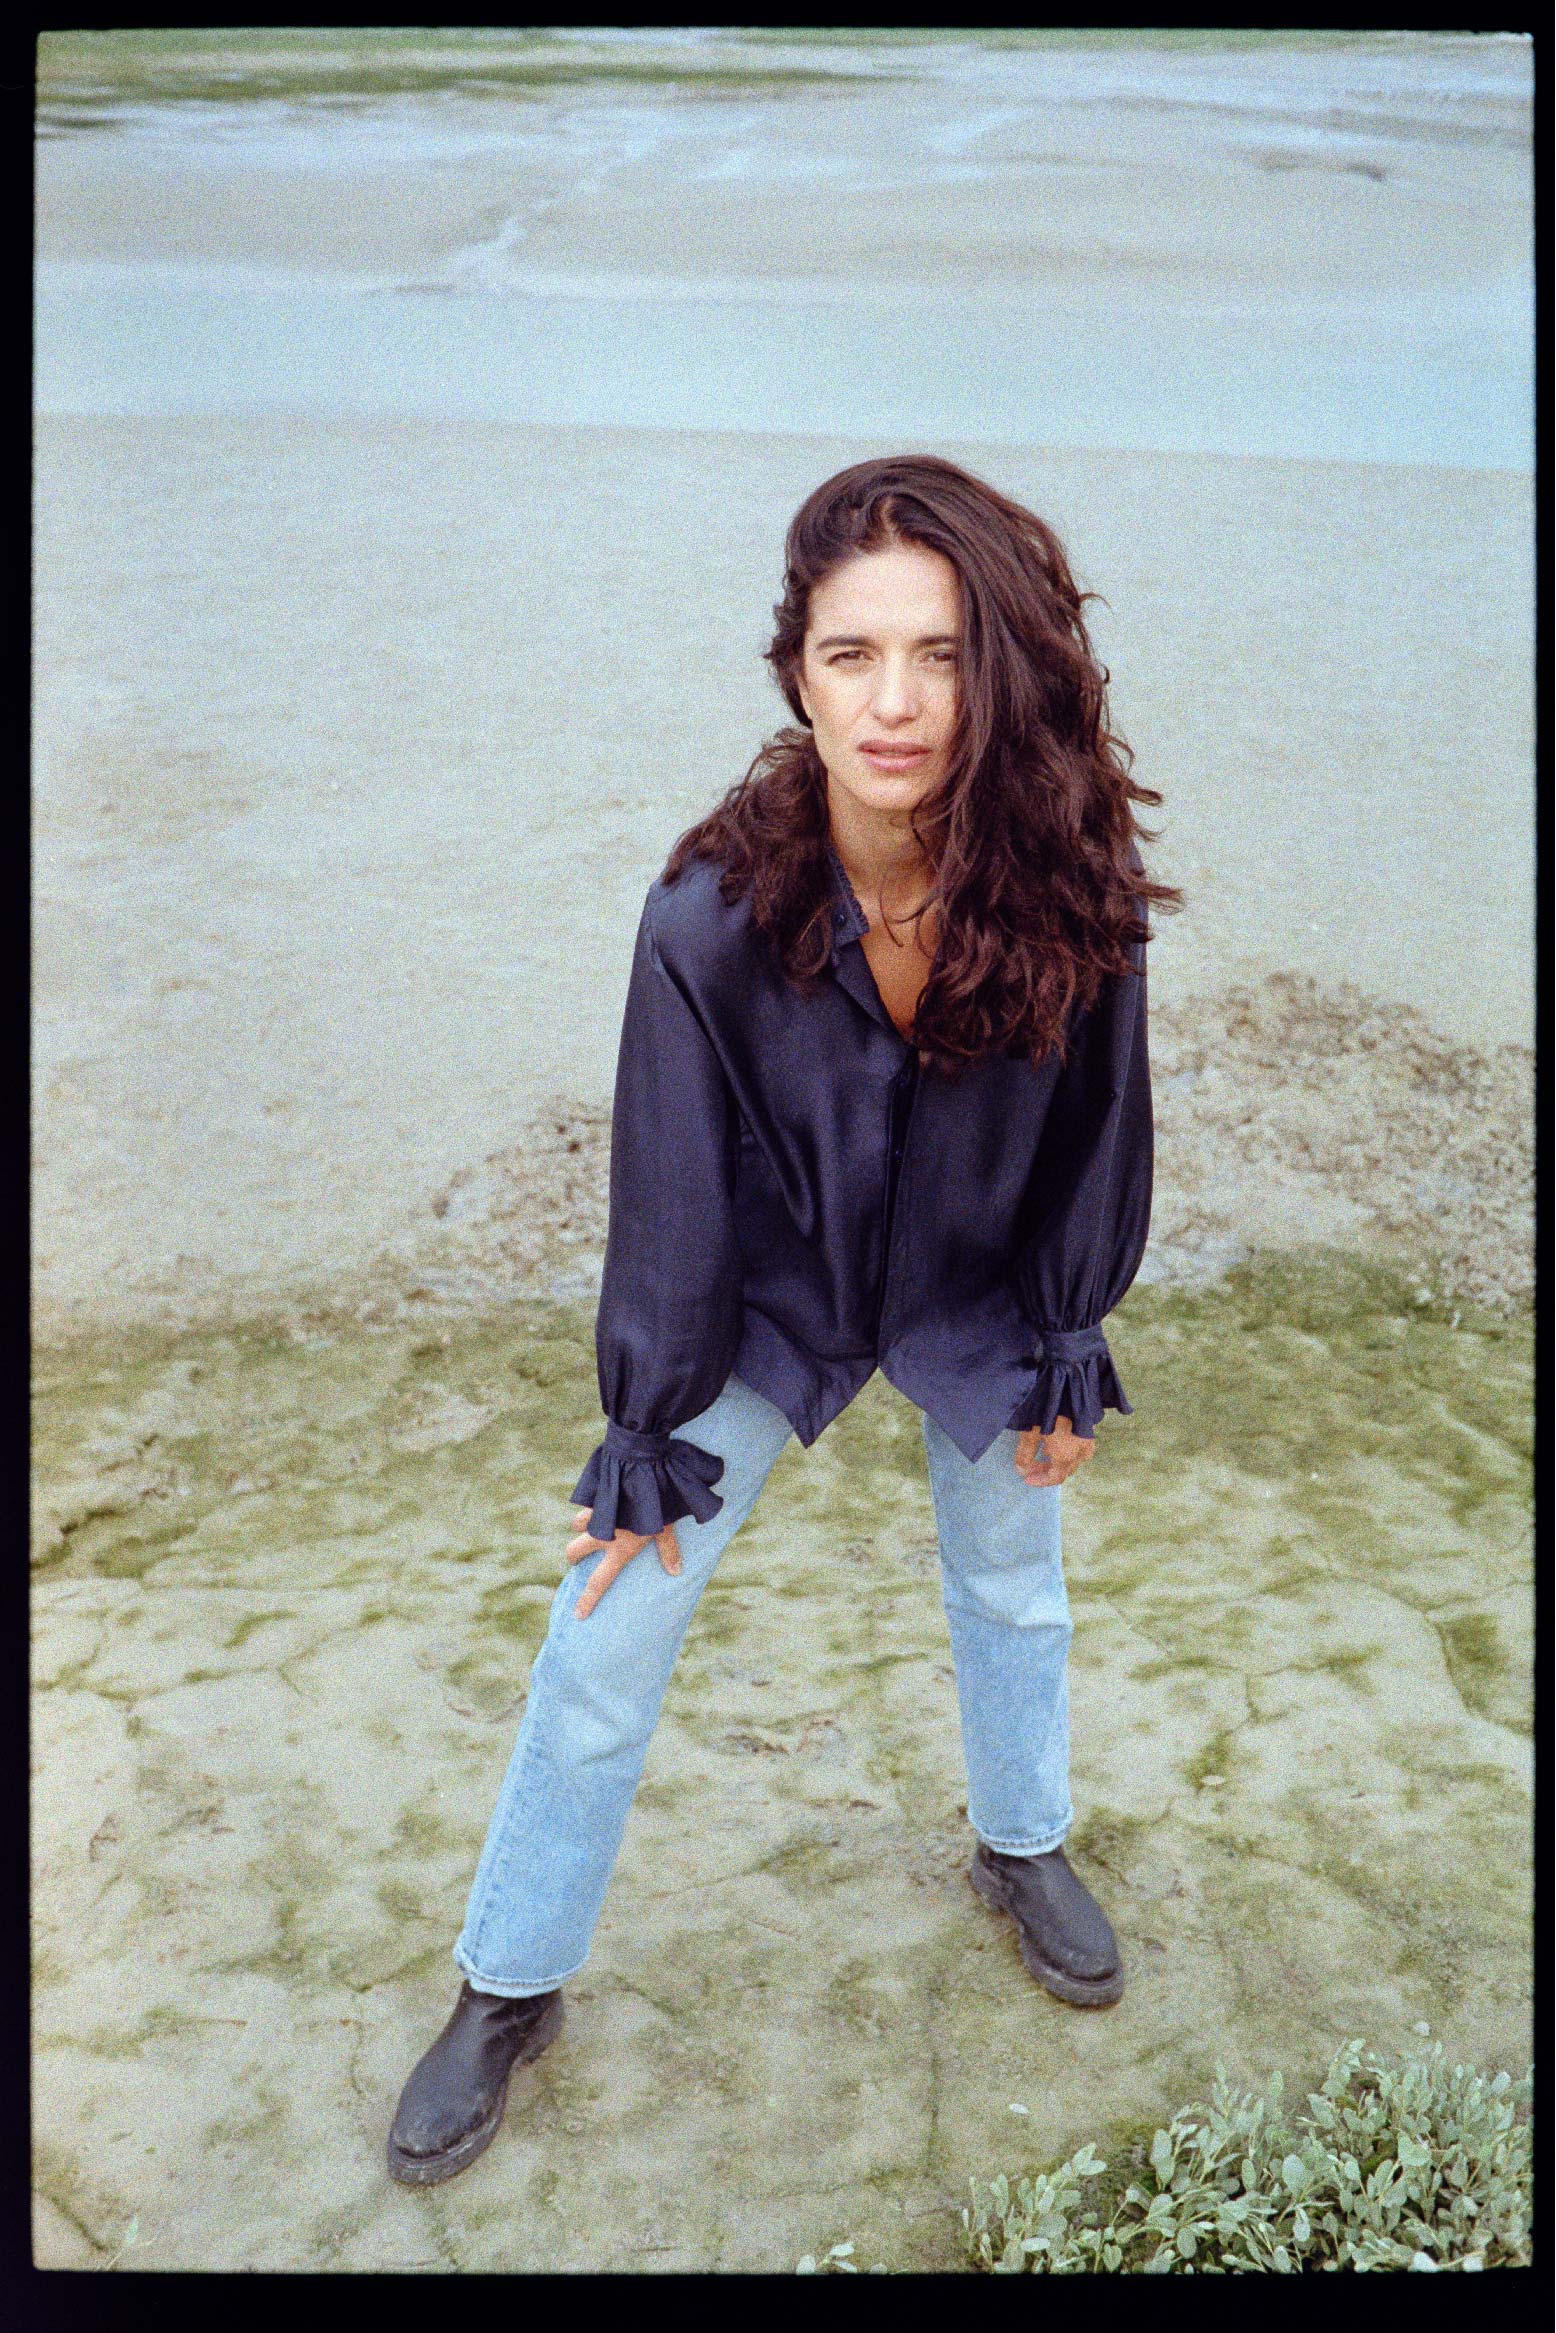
[891, 788]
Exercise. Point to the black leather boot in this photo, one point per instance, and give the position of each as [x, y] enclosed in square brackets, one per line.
[452, 2107]
[1067, 1941]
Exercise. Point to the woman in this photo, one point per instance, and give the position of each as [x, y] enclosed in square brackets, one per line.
[882, 1101]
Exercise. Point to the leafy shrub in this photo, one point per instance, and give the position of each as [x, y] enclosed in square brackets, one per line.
[1404, 2164]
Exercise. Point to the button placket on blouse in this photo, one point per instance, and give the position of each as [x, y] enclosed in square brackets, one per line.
[905, 1081]
[855, 978]
[853, 974]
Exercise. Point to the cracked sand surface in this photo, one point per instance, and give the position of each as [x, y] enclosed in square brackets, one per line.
[283, 1670]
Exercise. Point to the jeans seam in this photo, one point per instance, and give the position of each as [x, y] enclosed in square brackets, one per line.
[508, 1803]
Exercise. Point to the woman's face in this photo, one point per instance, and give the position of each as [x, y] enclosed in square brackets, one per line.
[878, 673]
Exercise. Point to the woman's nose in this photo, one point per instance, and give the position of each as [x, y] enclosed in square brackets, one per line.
[895, 696]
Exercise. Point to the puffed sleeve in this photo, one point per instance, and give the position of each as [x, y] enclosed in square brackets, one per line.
[1093, 1180]
[670, 1311]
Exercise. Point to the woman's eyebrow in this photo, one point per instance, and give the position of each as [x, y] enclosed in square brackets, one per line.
[863, 640]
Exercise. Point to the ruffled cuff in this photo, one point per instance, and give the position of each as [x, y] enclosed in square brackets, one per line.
[1075, 1378]
[641, 1482]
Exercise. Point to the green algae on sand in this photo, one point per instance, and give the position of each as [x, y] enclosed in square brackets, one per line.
[288, 1582]
[85, 78]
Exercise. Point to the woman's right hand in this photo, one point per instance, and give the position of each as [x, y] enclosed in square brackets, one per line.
[618, 1553]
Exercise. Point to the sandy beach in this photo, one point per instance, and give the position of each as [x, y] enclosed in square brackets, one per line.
[401, 582]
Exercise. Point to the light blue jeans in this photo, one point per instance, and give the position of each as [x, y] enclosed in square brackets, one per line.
[597, 1685]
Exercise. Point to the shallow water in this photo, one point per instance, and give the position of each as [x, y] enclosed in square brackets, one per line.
[1417, 387]
[1141, 271]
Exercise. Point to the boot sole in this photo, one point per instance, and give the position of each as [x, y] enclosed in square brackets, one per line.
[1080, 1992]
[427, 2170]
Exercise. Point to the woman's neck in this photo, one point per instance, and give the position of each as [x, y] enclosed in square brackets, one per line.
[881, 857]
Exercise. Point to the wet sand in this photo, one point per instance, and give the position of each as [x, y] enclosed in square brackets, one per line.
[354, 759]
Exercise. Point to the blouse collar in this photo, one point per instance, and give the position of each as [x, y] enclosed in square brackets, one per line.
[849, 921]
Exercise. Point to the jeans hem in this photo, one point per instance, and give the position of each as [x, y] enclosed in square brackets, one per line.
[521, 1991]
[1023, 1846]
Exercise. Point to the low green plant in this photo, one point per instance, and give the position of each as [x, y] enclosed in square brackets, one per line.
[837, 2262]
[1395, 2164]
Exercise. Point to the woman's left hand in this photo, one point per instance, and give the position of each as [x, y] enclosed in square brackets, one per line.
[1045, 1460]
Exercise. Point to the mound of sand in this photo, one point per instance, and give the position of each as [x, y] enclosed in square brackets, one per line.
[1288, 1114]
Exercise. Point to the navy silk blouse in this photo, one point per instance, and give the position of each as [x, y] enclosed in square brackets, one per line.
[795, 1199]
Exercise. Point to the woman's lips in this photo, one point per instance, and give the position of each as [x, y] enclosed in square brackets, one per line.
[895, 757]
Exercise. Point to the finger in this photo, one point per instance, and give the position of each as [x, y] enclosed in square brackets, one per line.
[609, 1569]
[1046, 1470]
[583, 1545]
[1069, 1461]
[669, 1548]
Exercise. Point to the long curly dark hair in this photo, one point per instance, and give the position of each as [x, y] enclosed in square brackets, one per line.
[1038, 878]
